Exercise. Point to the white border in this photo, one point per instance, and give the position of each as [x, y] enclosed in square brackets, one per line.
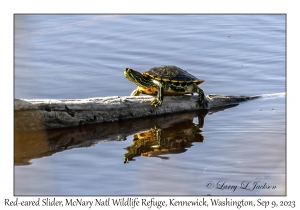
[8, 8]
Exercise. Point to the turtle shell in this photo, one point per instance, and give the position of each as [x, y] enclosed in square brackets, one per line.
[171, 74]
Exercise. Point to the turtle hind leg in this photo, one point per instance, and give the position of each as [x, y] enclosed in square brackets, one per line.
[203, 102]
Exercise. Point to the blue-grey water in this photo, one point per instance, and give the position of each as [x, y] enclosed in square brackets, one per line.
[79, 56]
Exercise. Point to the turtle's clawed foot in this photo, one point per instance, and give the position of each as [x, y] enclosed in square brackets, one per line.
[204, 103]
[156, 102]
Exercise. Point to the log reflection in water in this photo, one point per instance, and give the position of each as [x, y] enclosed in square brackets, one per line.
[178, 132]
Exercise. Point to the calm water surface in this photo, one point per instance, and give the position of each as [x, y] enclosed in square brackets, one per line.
[79, 56]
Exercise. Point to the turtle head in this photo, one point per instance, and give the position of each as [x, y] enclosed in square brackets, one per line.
[136, 77]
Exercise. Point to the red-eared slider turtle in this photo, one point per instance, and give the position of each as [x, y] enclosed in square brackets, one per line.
[169, 80]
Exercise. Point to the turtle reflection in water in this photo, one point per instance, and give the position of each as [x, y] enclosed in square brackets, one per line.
[161, 141]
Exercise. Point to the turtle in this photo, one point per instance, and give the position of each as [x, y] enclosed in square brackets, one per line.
[166, 80]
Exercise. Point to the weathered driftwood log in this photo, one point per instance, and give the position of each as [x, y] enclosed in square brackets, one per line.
[30, 115]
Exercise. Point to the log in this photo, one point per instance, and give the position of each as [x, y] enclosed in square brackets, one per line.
[33, 115]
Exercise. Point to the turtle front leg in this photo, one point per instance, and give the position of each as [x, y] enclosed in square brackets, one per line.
[204, 103]
[135, 92]
[160, 95]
